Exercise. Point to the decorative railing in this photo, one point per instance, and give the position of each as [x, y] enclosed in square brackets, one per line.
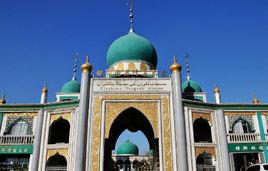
[56, 168]
[11, 139]
[205, 168]
[246, 137]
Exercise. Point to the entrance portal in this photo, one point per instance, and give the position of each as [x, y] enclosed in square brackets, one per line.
[133, 120]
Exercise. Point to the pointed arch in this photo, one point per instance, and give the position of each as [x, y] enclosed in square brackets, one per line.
[59, 131]
[204, 161]
[202, 130]
[133, 120]
[56, 161]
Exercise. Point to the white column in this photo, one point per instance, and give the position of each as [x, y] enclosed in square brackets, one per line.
[223, 145]
[81, 144]
[38, 133]
[179, 119]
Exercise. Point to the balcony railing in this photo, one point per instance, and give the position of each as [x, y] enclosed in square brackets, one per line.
[11, 139]
[56, 168]
[246, 137]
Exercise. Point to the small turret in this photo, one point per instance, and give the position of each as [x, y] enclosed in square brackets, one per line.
[217, 94]
[44, 94]
[255, 100]
[3, 100]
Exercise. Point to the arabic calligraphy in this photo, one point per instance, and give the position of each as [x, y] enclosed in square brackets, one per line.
[132, 85]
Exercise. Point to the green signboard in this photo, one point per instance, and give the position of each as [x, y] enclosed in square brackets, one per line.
[246, 147]
[16, 149]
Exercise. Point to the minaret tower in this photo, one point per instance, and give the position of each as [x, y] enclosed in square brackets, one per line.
[217, 94]
[180, 145]
[82, 118]
[38, 132]
[44, 95]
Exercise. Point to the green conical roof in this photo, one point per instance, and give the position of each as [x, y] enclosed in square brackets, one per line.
[72, 86]
[127, 148]
[190, 86]
[132, 47]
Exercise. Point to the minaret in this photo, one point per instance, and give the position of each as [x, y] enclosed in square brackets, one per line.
[217, 94]
[44, 95]
[38, 132]
[180, 146]
[3, 100]
[82, 117]
[255, 100]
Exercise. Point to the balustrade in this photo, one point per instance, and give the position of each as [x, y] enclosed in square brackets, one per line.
[246, 137]
[11, 139]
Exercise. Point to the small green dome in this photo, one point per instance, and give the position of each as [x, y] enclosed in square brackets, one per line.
[72, 86]
[127, 148]
[190, 86]
[132, 47]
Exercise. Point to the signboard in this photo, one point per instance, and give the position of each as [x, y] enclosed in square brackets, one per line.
[16, 149]
[126, 85]
[247, 147]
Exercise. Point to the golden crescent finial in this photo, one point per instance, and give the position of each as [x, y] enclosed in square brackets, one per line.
[175, 67]
[3, 100]
[45, 89]
[216, 89]
[86, 67]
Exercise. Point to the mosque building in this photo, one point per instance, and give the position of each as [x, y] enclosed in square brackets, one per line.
[79, 131]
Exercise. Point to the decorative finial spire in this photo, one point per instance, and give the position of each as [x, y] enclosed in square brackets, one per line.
[174, 60]
[175, 67]
[45, 89]
[255, 100]
[131, 15]
[187, 66]
[216, 89]
[75, 66]
[3, 99]
[86, 67]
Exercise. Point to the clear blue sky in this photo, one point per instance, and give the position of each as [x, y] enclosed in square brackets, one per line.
[227, 42]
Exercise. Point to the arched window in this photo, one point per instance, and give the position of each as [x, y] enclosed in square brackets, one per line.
[20, 128]
[202, 131]
[204, 162]
[241, 126]
[56, 162]
[59, 132]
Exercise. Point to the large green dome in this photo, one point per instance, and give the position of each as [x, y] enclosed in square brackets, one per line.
[132, 47]
[127, 148]
[190, 86]
[72, 86]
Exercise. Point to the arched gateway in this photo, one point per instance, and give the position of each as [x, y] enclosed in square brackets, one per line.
[133, 120]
